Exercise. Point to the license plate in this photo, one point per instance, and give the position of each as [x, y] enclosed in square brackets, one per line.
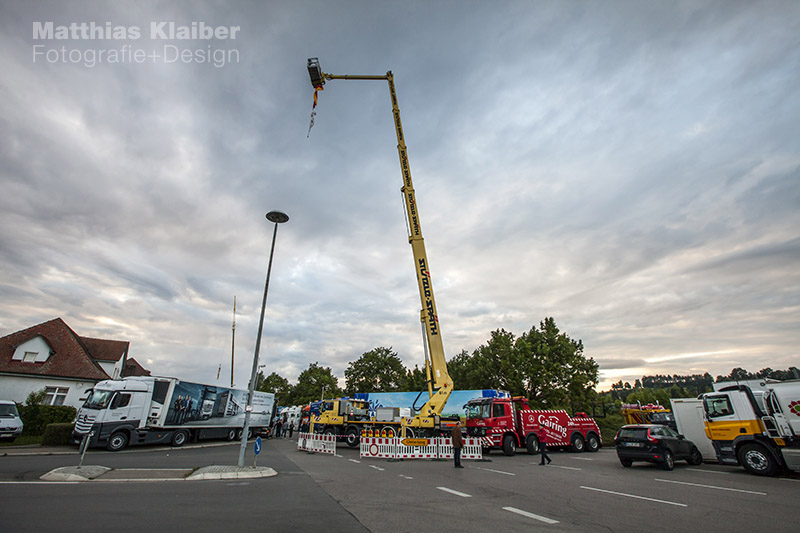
[633, 444]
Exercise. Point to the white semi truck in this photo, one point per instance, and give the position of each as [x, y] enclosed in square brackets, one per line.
[148, 410]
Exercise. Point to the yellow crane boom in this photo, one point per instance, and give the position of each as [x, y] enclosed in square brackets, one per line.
[428, 417]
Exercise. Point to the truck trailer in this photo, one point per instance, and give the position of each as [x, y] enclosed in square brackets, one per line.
[150, 409]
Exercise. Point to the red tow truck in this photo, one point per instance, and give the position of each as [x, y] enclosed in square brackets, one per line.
[509, 423]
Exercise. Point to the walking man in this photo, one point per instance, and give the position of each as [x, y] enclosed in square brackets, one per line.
[543, 446]
[458, 443]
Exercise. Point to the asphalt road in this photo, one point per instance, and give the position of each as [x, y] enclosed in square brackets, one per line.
[312, 492]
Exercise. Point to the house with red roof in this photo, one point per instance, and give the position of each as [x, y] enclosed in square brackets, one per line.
[51, 356]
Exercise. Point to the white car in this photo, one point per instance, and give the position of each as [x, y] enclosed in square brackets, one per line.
[10, 422]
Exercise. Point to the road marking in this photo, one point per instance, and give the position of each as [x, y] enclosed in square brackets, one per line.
[531, 515]
[564, 467]
[354, 460]
[497, 471]
[707, 471]
[451, 491]
[582, 458]
[712, 487]
[337, 455]
[635, 496]
[405, 476]
[376, 467]
[787, 479]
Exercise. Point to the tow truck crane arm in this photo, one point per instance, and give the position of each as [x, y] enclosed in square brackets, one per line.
[428, 417]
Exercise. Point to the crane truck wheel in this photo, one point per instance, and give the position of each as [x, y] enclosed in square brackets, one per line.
[509, 446]
[756, 460]
[578, 444]
[351, 437]
[179, 438]
[117, 441]
[532, 444]
[592, 443]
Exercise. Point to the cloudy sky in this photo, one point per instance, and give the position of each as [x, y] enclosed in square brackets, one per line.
[630, 168]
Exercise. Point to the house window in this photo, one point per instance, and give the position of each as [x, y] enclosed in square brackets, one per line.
[55, 395]
[30, 357]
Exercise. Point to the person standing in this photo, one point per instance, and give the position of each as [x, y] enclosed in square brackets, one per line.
[291, 428]
[458, 443]
[278, 428]
[543, 446]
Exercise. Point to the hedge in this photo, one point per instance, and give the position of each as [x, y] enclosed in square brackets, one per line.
[37, 417]
[55, 434]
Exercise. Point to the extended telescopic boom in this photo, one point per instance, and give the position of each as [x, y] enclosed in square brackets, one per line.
[428, 417]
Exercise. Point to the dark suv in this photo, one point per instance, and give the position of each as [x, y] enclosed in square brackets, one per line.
[654, 443]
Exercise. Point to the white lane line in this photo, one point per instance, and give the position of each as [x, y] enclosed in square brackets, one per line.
[711, 487]
[376, 467]
[451, 491]
[531, 515]
[788, 479]
[564, 467]
[634, 496]
[405, 476]
[337, 455]
[354, 461]
[706, 471]
[497, 471]
[582, 458]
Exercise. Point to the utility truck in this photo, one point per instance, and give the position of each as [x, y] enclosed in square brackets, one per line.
[348, 417]
[150, 409]
[509, 423]
[756, 426]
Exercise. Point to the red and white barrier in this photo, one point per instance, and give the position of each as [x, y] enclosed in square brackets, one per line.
[312, 442]
[437, 448]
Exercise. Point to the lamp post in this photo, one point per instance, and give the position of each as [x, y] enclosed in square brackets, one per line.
[278, 218]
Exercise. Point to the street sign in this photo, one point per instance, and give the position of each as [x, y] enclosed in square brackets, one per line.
[257, 448]
[415, 442]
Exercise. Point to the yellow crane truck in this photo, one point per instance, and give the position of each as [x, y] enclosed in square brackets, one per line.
[428, 420]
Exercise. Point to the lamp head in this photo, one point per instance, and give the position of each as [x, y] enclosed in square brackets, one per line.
[277, 217]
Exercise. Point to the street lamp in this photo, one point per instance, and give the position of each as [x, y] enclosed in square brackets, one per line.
[278, 218]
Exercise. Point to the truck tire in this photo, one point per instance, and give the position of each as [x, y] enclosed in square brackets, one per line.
[578, 444]
[669, 461]
[351, 437]
[757, 460]
[532, 444]
[509, 446]
[117, 441]
[179, 438]
[231, 434]
[592, 443]
[329, 431]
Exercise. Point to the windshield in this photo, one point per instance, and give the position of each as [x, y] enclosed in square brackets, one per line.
[7, 410]
[98, 399]
[479, 410]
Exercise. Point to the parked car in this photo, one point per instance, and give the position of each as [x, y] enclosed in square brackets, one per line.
[10, 422]
[654, 443]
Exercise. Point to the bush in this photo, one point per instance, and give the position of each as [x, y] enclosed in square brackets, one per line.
[56, 434]
[36, 417]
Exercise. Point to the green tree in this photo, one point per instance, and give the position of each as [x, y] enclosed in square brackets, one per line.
[416, 379]
[379, 370]
[310, 384]
[276, 384]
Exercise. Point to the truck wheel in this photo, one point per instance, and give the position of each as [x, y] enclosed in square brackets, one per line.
[592, 443]
[578, 444]
[757, 460]
[351, 437]
[179, 438]
[669, 461]
[329, 431]
[231, 434]
[695, 457]
[509, 446]
[117, 441]
[532, 444]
